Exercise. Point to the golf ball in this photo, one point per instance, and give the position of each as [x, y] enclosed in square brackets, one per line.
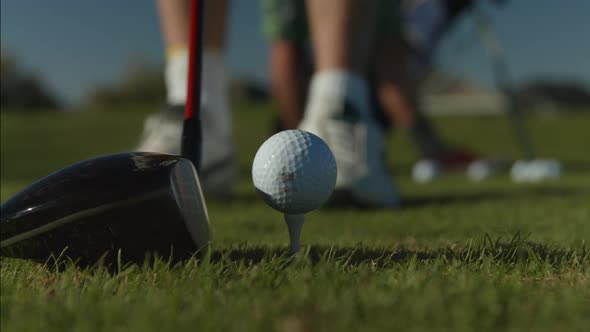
[480, 170]
[426, 170]
[535, 170]
[294, 171]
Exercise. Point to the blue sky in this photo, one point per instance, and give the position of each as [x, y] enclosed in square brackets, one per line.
[76, 45]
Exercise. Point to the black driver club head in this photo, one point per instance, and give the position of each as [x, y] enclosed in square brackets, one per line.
[132, 202]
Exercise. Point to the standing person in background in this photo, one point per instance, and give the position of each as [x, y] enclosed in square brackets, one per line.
[285, 26]
[162, 132]
[338, 107]
[407, 36]
[403, 61]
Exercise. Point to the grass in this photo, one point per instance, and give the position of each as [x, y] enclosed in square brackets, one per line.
[460, 257]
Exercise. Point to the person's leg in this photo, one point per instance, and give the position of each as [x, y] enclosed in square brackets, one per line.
[174, 23]
[338, 107]
[162, 133]
[285, 26]
[342, 33]
[398, 92]
[288, 82]
[406, 45]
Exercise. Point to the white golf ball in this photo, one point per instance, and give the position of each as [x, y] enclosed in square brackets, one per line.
[426, 170]
[479, 170]
[535, 170]
[519, 171]
[294, 171]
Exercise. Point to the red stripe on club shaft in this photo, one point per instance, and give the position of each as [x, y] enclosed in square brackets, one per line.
[193, 101]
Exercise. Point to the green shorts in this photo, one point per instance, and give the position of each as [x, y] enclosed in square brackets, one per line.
[287, 19]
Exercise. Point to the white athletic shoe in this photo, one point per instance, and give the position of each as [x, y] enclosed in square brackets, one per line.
[163, 131]
[356, 140]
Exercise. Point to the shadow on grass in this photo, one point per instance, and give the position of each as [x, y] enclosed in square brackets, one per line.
[517, 251]
[343, 200]
[424, 200]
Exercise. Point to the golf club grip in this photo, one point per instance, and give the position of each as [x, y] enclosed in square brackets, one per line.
[191, 145]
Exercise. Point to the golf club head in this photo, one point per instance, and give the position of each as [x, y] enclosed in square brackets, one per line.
[137, 203]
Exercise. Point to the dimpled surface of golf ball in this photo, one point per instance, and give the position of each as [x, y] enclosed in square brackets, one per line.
[294, 171]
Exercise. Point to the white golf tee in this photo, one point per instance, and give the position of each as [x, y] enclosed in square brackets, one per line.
[294, 225]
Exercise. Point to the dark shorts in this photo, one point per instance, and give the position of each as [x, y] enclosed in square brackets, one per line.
[287, 20]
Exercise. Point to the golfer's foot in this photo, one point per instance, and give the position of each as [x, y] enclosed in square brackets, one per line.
[163, 132]
[357, 143]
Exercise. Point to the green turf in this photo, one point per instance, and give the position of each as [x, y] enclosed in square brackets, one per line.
[460, 257]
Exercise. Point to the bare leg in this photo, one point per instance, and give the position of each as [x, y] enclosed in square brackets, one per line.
[342, 33]
[398, 88]
[174, 22]
[394, 86]
[398, 92]
[289, 77]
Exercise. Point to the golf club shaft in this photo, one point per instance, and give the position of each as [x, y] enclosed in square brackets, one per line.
[504, 82]
[191, 145]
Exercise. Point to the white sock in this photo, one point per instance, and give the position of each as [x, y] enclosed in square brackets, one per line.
[337, 87]
[214, 88]
[176, 77]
